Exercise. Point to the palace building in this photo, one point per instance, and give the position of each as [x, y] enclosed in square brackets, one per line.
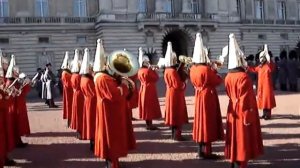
[37, 31]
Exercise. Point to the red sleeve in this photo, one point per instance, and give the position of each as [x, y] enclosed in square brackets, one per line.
[90, 90]
[176, 81]
[153, 76]
[252, 69]
[215, 78]
[247, 101]
[110, 91]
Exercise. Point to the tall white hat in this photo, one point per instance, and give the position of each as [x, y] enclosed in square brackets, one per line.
[75, 63]
[170, 56]
[3, 59]
[85, 65]
[10, 69]
[100, 61]
[264, 54]
[1, 68]
[65, 64]
[235, 54]
[200, 54]
[142, 57]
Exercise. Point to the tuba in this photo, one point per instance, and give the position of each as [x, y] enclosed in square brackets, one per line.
[126, 65]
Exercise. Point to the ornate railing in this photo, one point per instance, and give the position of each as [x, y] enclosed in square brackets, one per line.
[48, 20]
[278, 22]
[156, 16]
[159, 16]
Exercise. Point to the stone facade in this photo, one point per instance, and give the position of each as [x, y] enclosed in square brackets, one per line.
[36, 39]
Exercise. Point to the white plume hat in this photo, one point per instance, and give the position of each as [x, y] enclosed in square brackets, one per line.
[75, 63]
[235, 54]
[85, 65]
[142, 58]
[200, 54]
[10, 69]
[169, 56]
[100, 60]
[265, 54]
[65, 64]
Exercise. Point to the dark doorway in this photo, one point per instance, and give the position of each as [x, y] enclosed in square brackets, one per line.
[179, 40]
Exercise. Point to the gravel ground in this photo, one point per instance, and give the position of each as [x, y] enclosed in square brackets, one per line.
[53, 145]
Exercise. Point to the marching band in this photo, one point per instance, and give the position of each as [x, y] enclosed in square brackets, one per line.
[98, 99]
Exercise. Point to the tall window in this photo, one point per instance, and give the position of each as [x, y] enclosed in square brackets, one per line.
[298, 10]
[4, 8]
[41, 8]
[79, 9]
[238, 6]
[259, 9]
[281, 10]
[168, 6]
[142, 6]
[195, 6]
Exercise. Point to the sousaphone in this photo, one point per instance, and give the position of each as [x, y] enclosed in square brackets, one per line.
[123, 63]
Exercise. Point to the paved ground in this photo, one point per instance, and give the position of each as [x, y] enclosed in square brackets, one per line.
[52, 145]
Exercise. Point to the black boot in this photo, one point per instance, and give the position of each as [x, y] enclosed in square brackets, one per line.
[92, 145]
[9, 162]
[173, 129]
[264, 114]
[235, 165]
[149, 125]
[200, 151]
[51, 104]
[108, 164]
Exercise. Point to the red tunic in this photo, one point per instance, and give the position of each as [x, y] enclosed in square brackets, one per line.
[67, 95]
[12, 119]
[265, 92]
[22, 116]
[3, 127]
[77, 104]
[89, 113]
[242, 142]
[133, 102]
[148, 100]
[176, 112]
[111, 135]
[207, 125]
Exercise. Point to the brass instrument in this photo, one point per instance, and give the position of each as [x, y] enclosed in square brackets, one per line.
[185, 59]
[153, 67]
[11, 90]
[126, 65]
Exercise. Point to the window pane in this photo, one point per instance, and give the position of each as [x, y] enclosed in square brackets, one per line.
[38, 8]
[4, 8]
[195, 6]
[168, 6]
[79, 8]
[259, 9]
[142, 6]
[45, 8]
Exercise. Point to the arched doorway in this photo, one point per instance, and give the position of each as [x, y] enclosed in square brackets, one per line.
[180, 42]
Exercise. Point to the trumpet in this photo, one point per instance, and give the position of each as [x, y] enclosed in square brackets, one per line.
[185, 59]
[153, 67]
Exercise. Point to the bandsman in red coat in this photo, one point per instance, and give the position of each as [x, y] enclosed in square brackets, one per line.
[67, 89]
[3, 114]
[265, 90]
[88, 89]
[243, 131]
[149, 108]
[77, 103]
[207, 126]
[176, 111]
[111, 141]
[23, 121]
